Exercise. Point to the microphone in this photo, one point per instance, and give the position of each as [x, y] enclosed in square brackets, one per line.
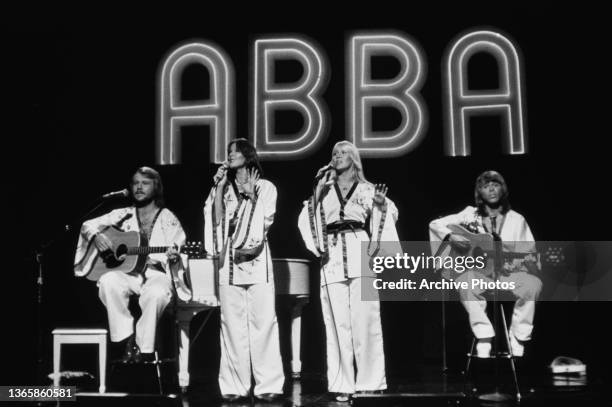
[324, 171]
[123, 193]
[225, 167]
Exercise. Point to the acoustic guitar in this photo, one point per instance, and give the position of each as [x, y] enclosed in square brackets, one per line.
[485, 246]
[129, 255]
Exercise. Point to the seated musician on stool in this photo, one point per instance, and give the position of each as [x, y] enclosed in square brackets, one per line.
[153, 285]
[492, 214]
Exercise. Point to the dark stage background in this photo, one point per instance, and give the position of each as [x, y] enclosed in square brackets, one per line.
[84, 97]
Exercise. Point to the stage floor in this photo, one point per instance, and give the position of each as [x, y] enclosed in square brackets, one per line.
[423, 386]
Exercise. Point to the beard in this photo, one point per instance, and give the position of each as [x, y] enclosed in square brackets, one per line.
[143, 202]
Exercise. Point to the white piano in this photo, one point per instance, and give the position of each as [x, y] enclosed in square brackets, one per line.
[291, 277]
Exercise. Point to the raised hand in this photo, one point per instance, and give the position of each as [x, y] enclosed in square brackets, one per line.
[251, 182]
[380, 191]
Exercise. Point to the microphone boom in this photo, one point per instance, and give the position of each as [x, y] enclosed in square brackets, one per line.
[115, 194]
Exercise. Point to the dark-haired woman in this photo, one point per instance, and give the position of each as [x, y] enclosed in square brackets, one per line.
[238, 213]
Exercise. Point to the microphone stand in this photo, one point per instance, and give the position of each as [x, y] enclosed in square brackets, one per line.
[443, 245]
[39, 258]
[496, 396]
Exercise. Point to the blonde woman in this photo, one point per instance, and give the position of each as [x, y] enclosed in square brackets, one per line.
[344, 211]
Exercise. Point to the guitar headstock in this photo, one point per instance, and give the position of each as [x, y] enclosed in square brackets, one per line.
[194, 250]
[554, 256]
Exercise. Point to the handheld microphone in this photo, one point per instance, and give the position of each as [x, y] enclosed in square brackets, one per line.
[123, 193]
[332, 179]
[225, 167]
[324, 171]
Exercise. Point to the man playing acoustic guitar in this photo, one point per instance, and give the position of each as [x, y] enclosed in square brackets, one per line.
[493, 215]
[152, 283]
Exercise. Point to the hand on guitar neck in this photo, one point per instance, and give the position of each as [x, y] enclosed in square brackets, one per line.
[173, 254]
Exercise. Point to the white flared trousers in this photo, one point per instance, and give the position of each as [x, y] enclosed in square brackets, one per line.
[155, 293]
[249, 340]
[527, 290]
[353, 332]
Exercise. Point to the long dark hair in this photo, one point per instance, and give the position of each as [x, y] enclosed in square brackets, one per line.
[250, 155]
[484, 178]
[158, 186]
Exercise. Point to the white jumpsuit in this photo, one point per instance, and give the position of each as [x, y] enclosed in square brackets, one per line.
[352, 325]
[249, 328]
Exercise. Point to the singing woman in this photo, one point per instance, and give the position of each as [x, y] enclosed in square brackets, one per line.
[344, 211]
[238, 213]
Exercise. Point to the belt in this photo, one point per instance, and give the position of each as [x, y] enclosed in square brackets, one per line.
[342, 227]
[345, 226]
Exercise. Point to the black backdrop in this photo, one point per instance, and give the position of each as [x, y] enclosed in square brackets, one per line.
[83, 94]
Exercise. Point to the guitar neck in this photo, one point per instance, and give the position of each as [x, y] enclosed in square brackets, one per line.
[192, 251]
[514, 255]
[147, 249]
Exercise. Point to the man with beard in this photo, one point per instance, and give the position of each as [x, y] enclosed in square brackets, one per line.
[153, 285]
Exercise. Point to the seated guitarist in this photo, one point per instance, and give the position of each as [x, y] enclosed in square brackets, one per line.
[492, 214]
[153, 285]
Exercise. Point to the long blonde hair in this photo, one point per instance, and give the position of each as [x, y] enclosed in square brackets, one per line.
[353, 152]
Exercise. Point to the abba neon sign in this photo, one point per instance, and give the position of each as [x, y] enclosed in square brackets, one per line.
[363, 93]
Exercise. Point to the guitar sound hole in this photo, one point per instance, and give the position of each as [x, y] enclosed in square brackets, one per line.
[110, 259]
[121, 251]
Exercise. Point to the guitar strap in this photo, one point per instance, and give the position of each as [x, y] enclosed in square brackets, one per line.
[493, 224]
[146, 234]
[497, 237]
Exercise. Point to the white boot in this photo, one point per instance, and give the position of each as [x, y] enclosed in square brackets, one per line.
[516, 347]
[483, 348]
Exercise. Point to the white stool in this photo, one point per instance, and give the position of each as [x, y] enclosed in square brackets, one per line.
[79, 336]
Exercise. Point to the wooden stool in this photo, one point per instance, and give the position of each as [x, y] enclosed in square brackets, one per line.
[79, 336]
